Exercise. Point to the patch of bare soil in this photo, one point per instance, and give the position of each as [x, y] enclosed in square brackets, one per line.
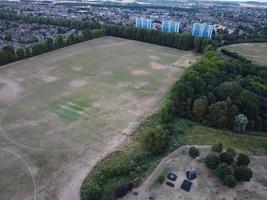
[154, 63]
[8, 90]
[157, 66]
[186, 60]
[205, 186]
[48, 78]
[154, 58]
[77, 83]
[77, 68]
[138, 72]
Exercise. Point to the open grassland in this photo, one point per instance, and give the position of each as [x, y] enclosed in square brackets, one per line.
[61, 112]
[256, 52]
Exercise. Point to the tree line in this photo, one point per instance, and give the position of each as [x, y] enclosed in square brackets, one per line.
[183, 40]
[235, 55]
[10, 54]
[227, 94]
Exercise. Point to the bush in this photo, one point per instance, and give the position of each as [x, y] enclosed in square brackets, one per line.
[226, 157]
[242, 159]
[155, 140]
[231, 151]
[121, 191]
[242, 173]
[223, 170]
[161, 179]
[230, 181]
[91, 190]
[217, 148]
[193, 152]
[212, 161]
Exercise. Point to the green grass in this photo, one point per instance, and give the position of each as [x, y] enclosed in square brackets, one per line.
[242, 143]
[255, 52]
[70, 115]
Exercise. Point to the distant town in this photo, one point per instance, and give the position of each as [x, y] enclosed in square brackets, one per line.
[228, 16]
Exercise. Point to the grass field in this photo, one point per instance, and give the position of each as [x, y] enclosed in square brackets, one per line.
[255, 52]
[61, 112]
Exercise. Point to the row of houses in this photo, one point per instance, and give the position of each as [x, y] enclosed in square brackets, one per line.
[198, 30]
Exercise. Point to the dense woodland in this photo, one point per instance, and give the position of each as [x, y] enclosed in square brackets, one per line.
[228, 94]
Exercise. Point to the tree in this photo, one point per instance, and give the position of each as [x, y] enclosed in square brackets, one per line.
[193, 152]
[48, 45]
[226, 157]
[166, 111]
[58, 43]
[212, 161]
[228, 89]
[37, 49]
[231, 151]
[155, 139]
[223, 170]
[242, 159]
[181, 95]
[218, 114]
[28, 52]
[230, 181]
[7, 55]
[20, 53]
[241, 122]
[161, 179]
[217, 148]
[242, 173]
[200, 108]
[197, 82]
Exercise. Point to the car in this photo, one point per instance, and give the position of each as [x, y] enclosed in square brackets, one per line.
[169, 184]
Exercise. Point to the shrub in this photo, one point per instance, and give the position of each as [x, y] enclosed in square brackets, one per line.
[217, 148]
[193, 152]
[223, 170]
[230, 181]
[155, 140]
[226, 157]
[130, 186]
[231, 151]
[91, 190]
[242, 159]
[161, 179]
[212, 161]
[242, 173]
[121, 191]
